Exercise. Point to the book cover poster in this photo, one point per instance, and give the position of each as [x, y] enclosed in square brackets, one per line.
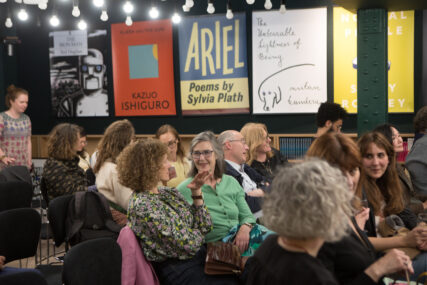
[400, 60]
[213, 65]
[78, 73]
[143, 68]
[289, 61]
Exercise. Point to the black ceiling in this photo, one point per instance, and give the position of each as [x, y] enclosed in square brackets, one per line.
[390, 5]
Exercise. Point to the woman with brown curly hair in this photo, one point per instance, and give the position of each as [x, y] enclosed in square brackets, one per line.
[261, 156]
[171, 231]
[15, 130]
[61, 172]
[176, 154]
[116, 137]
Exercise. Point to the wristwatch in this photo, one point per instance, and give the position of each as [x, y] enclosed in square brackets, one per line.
[248, 224]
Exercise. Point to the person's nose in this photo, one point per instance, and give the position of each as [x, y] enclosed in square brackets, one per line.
[375, 160]
[246, 146]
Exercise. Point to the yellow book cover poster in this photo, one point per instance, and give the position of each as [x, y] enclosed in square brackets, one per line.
[400, 54]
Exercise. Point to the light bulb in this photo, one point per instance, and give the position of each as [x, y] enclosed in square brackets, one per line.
[211, 8]
[3, 1]
[42, 5]
[154, 13]
[268, 5]
[282, 9]
[54, 21]
[98, 3]
[82, 25]
[23, 15]
[185, 8]
[250, 2]
[104, 16]
[128, 7]
[8, 23]
[128, 21]
[229, 14]
[189, 3]
[176, 18]
[76, 11]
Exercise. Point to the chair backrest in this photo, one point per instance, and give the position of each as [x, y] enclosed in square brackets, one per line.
[43, 190]
[23, 277]
[16, 173]
[19, 233]
[57, 213]
[15, 194]
[93, 262]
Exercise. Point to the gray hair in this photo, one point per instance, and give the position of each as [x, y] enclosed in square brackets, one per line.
[309, 200]
[226, 136]
[208, 136]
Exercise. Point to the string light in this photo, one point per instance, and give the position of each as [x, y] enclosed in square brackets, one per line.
[176, 18]
[250, 2]
[154, 13]
[98, 3]
[211, 8]
[42, 5]
[185, 8]
[189, 3]
[76, 11]
[268, 5]
[8, 23]
[54, 21]
[23, 15]
[128, 21]
[82, 25]
[229, 15]
[128, 7]
[104, 16]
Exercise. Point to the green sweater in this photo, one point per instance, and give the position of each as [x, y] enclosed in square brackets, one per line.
[226, 205]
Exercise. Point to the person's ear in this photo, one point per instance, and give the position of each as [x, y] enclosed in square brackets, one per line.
[328, 124]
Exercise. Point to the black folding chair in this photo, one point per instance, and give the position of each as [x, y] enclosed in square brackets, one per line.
[15, 194]
[23, 278]
[93, 262]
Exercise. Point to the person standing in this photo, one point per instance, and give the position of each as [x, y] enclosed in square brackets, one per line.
[15, 130]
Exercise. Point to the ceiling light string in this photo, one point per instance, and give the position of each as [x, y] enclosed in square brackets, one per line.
[176, 18]
[54, 20]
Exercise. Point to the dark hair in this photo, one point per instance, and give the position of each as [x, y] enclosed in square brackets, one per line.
[386, 188]
[385, 130]
[116, 137]
[12, 93]
[170, 129]
[420, 120]
[62, 139]
[330, 111]
[83, 134]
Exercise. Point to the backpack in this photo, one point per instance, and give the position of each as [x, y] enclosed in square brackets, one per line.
[89, 217]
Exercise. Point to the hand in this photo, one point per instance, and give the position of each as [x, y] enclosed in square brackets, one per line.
[2, 260]
[256, 193]
[8, 160]
[198, 181]
[425, 204]
[394, 261]
[362, 217]
[242, 238]
[417, 238]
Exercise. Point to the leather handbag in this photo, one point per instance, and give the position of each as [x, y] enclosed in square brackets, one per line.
[223, 259]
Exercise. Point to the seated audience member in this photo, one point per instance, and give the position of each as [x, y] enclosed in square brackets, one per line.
[416, 161]
[224, 197]
[235, 149]
[171, 231]
[261, 156]
[116, 137]
[176, 154]
[353, 259]
[329, 117]
[306, 207]
[84, 157]
[61, 171]
[416, 203]
[4, 270]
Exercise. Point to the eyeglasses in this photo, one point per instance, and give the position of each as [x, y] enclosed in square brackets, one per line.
[243, 141]
[172, 143]
[83, 142]
[97, 68]
[205, 153]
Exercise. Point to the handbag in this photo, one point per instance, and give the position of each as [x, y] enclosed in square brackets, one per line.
[223, 259]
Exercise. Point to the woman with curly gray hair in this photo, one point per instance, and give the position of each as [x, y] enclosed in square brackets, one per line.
[223, 195]
[306, 207]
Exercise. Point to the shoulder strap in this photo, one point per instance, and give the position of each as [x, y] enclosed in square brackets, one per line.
[79, 214]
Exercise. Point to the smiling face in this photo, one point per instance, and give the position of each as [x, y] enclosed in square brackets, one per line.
[204, 162]
[82, 143]
[77, 144]
[397, 140]
[352, 179]
[164, 169]
[375, 161]
[20, 104]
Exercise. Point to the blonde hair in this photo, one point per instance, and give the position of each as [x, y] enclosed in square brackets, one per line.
[254, 137]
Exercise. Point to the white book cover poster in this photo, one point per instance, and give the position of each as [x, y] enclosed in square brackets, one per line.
[289, 61]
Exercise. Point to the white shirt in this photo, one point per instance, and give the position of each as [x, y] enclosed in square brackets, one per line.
[248, 184]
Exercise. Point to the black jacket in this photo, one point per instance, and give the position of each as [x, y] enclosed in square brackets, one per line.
[253, 202]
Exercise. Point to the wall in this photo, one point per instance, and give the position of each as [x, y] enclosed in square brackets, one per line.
[33, 71]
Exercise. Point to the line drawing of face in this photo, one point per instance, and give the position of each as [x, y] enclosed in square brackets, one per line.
[92, 70]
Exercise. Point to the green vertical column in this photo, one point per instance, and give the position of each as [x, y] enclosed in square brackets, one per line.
[372, 79]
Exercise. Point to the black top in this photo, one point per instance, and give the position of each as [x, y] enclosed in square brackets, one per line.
[269, 167]
[272, 264]
[348, 258]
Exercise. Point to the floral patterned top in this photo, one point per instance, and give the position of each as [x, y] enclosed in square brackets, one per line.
[14, 137]
[167, 225]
